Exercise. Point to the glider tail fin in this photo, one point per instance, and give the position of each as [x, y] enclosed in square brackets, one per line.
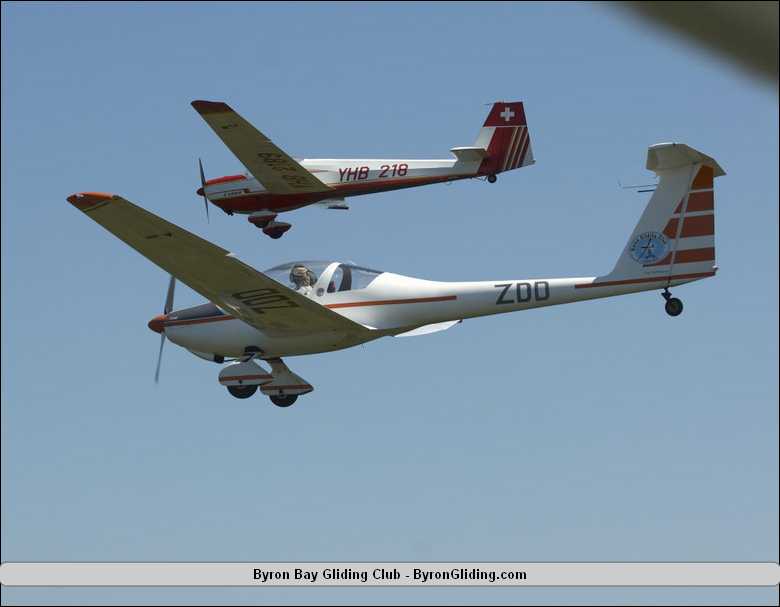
[675, 236]
[505, 138]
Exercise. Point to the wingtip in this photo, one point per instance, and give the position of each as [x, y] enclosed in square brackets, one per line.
[210, 107]
[87, 200]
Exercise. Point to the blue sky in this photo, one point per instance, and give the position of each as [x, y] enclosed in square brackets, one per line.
[599, 431]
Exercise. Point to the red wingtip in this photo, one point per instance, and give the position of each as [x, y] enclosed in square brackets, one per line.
[86, 200]
[210, 107]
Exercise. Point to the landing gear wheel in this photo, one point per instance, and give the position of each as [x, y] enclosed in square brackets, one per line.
[674, 306]
[284, 401]
[242, 391]
[492, 178]
[275, 229]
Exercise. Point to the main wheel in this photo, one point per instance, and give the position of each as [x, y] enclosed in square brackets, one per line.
[242, 391]
[275, 229]
[284, 401]
[674, 306]
[492, 178]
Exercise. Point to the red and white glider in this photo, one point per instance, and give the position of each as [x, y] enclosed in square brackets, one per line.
[276, 182]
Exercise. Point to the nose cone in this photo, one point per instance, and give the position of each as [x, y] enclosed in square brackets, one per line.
[157, 324]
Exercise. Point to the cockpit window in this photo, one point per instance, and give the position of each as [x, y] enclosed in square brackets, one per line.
[356, 277]
[303, 275]
[337, 282]
[292, 275]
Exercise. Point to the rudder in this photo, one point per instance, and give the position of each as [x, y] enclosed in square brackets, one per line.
[675, 237]
[506, 139]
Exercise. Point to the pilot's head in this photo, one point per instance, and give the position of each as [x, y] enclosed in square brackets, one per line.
[301, 276]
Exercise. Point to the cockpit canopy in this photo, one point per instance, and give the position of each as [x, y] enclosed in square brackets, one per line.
[328, 276]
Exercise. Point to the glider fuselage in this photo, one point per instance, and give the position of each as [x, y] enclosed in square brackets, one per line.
[392, 305]
[345, 177]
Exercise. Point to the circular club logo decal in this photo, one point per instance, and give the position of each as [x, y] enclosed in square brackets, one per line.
[649, 247]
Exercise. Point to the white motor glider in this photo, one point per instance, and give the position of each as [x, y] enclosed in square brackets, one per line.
[310, 307]
[276, 182]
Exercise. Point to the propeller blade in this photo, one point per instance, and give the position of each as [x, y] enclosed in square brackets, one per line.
[159, 359]
[169, 297]
[202, 174]
[203, 186]
[166, 310]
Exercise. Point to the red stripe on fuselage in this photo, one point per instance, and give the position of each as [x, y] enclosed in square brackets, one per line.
[196, 321]
[388, 302]
[631, 281]
[260, 201]
[226, 179]
[352, 304]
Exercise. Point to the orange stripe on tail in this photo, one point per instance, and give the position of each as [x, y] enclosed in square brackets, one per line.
[704, 179]
[700, 225]
[687, 256]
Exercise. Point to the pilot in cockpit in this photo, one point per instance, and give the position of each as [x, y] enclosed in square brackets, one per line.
[303, 278]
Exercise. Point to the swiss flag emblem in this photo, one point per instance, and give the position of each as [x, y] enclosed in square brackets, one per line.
[506, 114]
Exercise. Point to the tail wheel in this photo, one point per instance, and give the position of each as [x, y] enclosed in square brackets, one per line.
[284, 401]
[242, 391]
[492, 178]
[674, 306]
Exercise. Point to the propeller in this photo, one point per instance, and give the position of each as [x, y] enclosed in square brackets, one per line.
[166, 310]
[203, 189]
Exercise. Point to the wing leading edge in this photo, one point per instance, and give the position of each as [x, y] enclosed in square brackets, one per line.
[212, 271]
